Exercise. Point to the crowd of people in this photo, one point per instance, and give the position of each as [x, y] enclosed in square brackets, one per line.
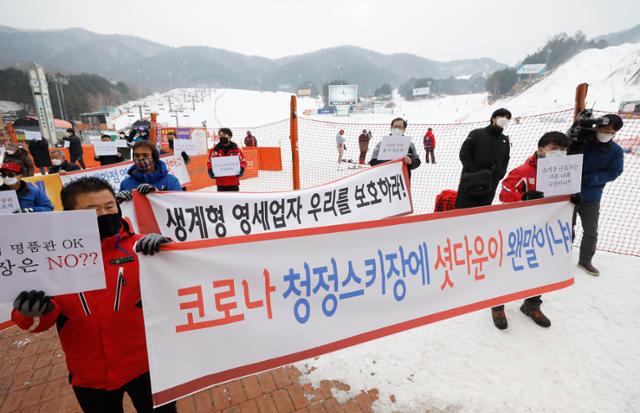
[105, 343]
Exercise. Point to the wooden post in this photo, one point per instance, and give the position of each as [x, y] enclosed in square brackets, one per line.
[293, 137]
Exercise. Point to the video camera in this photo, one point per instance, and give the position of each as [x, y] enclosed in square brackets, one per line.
[584, 127]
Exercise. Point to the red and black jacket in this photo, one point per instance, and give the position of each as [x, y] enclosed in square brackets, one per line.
[520, 180]
[230, 150]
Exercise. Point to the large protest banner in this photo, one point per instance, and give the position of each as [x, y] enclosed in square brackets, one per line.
[379, 192]
[117, 173]
[220, 309]
[57, 252]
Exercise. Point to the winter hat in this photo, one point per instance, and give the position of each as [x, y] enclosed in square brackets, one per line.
[615, 121]
[11, 167]
[501, 112]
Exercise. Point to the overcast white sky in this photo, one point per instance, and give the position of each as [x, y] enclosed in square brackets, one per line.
[441, 30]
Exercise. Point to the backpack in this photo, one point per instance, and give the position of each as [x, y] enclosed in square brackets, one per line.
[446, 200]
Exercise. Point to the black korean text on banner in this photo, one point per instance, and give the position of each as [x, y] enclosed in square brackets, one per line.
[379, 192]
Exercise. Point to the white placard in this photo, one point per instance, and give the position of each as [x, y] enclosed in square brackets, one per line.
[67, 144]
[32, 135]
[122, 143]
[394, 147]
[559, 175]
[375, 193]
[118, 173]
[334, 287]
[2, 151]
[225, 166]
[190, 146]
[56, 252]
[8, 203]
[105, 148]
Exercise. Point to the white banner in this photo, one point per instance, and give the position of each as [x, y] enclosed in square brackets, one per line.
[117, 173]
[559, 175]
[394, 147]
[2, 151]
[57, 252]
[266, 300]
[375, 193]
[8, 202]
[225, 166]
[105, 148]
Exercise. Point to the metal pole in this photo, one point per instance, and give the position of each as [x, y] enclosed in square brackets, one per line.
[55, 82]
[64, 110]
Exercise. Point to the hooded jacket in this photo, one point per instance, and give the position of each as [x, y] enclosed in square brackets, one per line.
[22, 158]
[520, 180]
[160, 178]
[601, 163]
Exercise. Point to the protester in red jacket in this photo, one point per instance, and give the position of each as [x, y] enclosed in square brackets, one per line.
[429, 143]
[520, 185]
[102, 331]
[226, 148]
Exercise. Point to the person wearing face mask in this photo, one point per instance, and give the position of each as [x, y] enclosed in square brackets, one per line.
[60, 165]
[75, 147]
[15, 154]
[108, 159]
[485, 158]
[520, 185]
[603, 162]
[102, 331]
[226, 148]
[147, 174]
[30, 197]
[412, 160]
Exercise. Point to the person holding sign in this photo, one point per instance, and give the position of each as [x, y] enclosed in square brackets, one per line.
[411, 158]
[147, 174]
[520, 185]
[108, 159]
[101, 332]
[228, 171]
[30, 197]
[603, 162]
[60, 164]
[485, 158]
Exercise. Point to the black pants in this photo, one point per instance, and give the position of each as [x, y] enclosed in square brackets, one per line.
[77, 157]
[531, 302]
[229, 188]
[589, 213]
[430, 152]
[110, 401]
[43, 170]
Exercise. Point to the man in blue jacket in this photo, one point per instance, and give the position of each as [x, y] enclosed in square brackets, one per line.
[30, 197]
[147, 174]
[603, 162]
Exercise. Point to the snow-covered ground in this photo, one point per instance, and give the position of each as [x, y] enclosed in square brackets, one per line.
[587, 361]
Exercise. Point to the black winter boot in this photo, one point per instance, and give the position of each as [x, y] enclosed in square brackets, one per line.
[499, 318]
[536, 315]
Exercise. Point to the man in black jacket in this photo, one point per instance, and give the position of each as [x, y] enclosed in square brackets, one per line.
[485, 159]
[75, 147]
[60, 164]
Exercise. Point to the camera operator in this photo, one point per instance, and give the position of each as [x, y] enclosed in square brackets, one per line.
[603, 162]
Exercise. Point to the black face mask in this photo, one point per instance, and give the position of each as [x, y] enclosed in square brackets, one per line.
[224, 141]
[109, 224]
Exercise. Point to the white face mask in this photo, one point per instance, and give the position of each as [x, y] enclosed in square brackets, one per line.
[11, 181]
[557, 152]
[605, 137]
[56, 162]
[502, 122]
[10, 152]
[397, 132]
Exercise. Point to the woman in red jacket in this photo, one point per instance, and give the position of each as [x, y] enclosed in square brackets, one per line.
[101, 331]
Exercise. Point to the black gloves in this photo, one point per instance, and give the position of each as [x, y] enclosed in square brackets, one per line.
[241, 172]
[33, 303]
[23, 211]
[185, 157]
[211, 175]
[529, 195]
[145, 189]
[576, 199]
[123, 196]
[150, 243]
